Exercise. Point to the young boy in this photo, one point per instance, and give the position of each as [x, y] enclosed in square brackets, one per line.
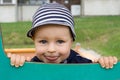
[53, 34]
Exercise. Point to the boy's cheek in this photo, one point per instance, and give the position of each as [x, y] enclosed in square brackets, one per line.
[65, 51]
[66, 48]
[39, 49]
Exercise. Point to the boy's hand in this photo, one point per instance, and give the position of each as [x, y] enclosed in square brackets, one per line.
[17, 60]
[107, 62]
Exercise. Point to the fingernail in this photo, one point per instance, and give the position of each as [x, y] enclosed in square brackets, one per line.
[12, 64]
[115, 63]
[21, 64]
[107, 67]
[103, 66]
[111, 67]
[16, 66]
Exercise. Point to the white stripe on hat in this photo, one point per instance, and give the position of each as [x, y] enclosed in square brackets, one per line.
[52, 12]
[49, 17]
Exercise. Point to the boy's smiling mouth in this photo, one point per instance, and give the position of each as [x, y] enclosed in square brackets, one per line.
[51, 58]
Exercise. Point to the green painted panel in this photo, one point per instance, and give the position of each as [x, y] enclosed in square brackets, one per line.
[41, 71]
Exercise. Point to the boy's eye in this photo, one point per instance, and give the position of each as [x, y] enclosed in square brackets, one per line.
[43, 41]
[60, 41]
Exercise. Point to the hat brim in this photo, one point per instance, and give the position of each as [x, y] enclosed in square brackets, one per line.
[30, 32]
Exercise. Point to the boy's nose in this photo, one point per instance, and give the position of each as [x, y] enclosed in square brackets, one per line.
[51, 48]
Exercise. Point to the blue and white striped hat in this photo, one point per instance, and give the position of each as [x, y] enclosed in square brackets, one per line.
[52, 13]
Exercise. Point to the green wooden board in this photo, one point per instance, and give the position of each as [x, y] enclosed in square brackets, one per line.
[40, 71]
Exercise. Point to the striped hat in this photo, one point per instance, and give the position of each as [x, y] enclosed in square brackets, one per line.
[52, 13]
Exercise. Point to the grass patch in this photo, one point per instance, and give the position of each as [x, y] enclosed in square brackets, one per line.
[14, 35]
[101, 34]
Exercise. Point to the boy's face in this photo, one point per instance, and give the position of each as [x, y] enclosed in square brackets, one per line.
[53, 43]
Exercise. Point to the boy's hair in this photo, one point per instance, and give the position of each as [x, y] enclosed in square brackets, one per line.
[52, 13]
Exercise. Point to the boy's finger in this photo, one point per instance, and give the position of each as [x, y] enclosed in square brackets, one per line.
[17, 61]
[12, 59]
[8, 55]
[111, 62]
[101, 61]
[115, 60]
[22, 60]
[106, 62]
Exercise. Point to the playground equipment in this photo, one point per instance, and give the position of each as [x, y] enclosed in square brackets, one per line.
[42, 71]
[27, 52]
